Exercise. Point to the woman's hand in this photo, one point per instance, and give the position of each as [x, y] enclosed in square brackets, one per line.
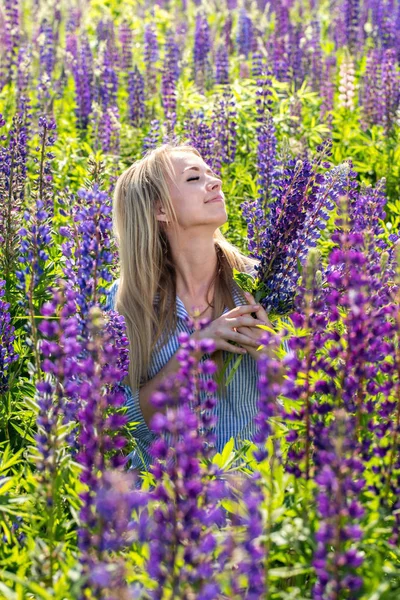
[253, 332]
[225, 329]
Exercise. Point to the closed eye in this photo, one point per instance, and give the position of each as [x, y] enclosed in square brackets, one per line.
[193, 178]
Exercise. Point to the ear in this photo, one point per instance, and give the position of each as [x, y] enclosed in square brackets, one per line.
[160, 214]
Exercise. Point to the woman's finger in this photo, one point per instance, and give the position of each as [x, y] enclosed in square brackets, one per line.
[245, 322]
[261, 313]
[243, 339]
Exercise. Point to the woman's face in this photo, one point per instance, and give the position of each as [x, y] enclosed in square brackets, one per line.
[192, 190]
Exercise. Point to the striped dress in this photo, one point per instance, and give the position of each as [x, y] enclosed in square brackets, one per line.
[235, 411]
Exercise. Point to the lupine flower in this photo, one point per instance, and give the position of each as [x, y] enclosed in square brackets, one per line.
[84, 375]
[244, 35]
[7, 353]
[371, 97]
[221, 65]
[35, 235]
[11, 40]
[200, 135]
[168, 83]
[346, 85]
[201, 49]
[224, 128]
[351, 23]
[390, 88]
[87, 249]
[227, 31]
[115, 502]
[150, 57]
[82, 69]
[316, 56]
[339, 481]
[12, 183]
[125, 36]
[24, 60]
[136, 97]
[186, 517]
[46, 56]
[291, 227]
[257, 65]
[266, 140]
[154, 136]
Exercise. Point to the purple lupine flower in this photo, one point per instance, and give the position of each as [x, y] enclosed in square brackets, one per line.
[83, 386]
[136, 97]
[339, 483]
[352, 23]
[221, 65]
[316, 56]
[268, 369]
[296, 55]
[7, 354]
[87, 249]
[201, 50]
[390, 88]
[226, 35]
[187, 517]
[150, 57]
[108, 81]
[170, 76]
[200, 135]
[11, 39]
[47, 56]
[114, 504]
[244, 35]
[257, 65]
[106, 33]
[224, 129]
[266, 140]
[82, 69]
[24, 60]
[371, 95]
[282, 238]
[125, 37]
[154, 136]
[109, 129]
[12, 181]
[279, 48]
[35, 235]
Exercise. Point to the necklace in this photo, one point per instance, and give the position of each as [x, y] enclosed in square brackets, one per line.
[196, 313]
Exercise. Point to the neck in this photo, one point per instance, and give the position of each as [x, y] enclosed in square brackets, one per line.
[195, 265]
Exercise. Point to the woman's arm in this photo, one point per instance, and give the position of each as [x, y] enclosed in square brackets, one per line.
[151, 386]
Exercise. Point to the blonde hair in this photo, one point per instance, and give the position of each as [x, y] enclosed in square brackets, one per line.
[146, 265]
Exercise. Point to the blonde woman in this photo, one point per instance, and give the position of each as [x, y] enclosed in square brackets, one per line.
[175, 264]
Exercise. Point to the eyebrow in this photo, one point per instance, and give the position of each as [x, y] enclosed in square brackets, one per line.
[198, 169]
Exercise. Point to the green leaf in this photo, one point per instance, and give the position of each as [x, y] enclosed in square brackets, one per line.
[234, 369]
[244, 280]
[285, 572]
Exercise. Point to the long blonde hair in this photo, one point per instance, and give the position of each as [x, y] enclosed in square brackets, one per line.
[146, 265]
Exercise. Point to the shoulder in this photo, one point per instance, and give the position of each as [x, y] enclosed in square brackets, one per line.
[111, 295]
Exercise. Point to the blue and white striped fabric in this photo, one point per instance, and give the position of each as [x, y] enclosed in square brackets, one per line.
[235, 412]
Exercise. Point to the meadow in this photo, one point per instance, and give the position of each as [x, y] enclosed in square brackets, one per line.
[296, 105]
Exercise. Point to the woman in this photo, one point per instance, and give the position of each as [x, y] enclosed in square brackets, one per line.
[174, 265]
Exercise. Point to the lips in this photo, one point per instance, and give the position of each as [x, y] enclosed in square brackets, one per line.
[215, 199]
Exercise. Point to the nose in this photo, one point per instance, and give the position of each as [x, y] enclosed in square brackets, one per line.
[215, 183]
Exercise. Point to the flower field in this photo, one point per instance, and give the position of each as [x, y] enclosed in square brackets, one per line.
[296, 105]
